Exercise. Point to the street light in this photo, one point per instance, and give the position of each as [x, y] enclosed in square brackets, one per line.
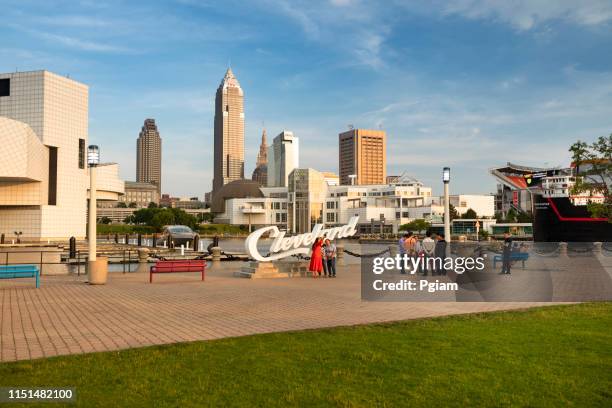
[446, 181]
[96, 270]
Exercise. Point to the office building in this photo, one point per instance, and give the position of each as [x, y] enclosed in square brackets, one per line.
[141, 194]
[228, 132]
[362, 153]
[149, 155]
[283, 157]
[43, 146]
[260, 173]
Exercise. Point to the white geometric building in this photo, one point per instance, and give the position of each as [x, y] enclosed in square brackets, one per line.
[43, 168]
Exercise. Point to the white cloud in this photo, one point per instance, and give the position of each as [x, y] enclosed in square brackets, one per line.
[527, 14]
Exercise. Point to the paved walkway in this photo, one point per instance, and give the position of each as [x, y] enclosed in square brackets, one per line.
[67, 316]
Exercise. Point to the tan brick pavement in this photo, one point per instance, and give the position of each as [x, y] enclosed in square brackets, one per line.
[67, 316]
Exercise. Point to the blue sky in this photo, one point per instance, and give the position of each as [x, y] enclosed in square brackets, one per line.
[466, 83]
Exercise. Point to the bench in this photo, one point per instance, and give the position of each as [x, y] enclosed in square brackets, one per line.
[514, 257]
[20, 271]
[177, 267]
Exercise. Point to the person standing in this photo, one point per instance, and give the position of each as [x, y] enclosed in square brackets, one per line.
[323, 257]
[402, 251]
[429, 247]
[506, 257]
[330, 258]
[410, 247]
[440, 254]
[316, 260]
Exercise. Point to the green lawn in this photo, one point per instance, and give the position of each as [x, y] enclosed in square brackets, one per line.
[553, 356]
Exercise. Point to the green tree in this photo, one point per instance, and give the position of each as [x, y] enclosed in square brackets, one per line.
[594, 173]
[454, 214]
[129, 219]
[470, 214]
[132, 205]
[416, 225]
[152, 205]
[105, 220]
[162, 218]
[524, 217]
[511, 216]
[121, 204]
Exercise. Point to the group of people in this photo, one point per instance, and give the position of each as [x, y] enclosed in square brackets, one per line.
[431, 246]
[323, 258]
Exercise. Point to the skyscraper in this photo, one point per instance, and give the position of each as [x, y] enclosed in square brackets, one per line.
[363, 152]
[283, 157]
[229, 132]
[148, 155]
[260, 174]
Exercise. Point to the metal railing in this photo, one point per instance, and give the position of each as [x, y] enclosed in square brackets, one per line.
[125, 256]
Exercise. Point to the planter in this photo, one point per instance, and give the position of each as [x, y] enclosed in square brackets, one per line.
[98, 270]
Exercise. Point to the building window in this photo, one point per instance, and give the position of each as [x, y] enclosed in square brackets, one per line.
[81, 153]
[52, 192]
[5, 87]
[278, 217]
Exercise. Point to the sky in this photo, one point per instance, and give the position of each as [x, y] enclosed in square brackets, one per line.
[469, 84]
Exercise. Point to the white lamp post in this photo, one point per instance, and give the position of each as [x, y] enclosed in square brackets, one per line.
[446, 181]
[97, 269]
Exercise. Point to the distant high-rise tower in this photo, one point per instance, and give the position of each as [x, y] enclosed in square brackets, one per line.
[262, 156]
[260, 174]
[363, 152]
[283, 157]
[148, 155]
[229, 132]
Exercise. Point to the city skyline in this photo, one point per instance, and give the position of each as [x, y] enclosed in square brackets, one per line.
[470, 85]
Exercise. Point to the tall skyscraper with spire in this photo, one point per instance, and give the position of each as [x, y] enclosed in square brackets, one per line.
[260, 174]
[262, 156]
[148, 155]
[229, 132]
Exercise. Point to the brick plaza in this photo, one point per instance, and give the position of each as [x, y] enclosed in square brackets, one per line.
[67, 316]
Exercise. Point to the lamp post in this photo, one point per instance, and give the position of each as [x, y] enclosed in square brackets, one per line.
[96, 268]
[446, 181]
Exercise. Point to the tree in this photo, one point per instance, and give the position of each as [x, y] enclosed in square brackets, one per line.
[105, 220]
[511, 216]
[416, 225]
[454, 214]
[594, 173]
[470, 215]
[121, 204]
[524, 217]
[132, 205]
[129, 219]
[152, 205]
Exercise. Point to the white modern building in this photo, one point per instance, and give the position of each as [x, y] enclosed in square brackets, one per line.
[433, 208]
[43, 167]
[309, 199]
[283, 157]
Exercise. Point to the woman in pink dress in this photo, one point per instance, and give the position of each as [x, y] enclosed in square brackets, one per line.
[316, 260]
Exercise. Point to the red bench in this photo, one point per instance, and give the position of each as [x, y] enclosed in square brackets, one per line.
[178, 266]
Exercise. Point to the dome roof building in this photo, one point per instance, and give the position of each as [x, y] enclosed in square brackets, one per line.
[235, 189]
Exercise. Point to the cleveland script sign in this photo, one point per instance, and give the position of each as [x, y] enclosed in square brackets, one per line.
[298, 244]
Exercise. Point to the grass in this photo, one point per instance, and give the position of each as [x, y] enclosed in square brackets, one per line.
[213, 229]
[552, 356]
[123, 229]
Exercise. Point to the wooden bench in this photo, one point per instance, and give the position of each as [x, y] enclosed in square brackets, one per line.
[514, 257]
[20, 271]
[177, 267]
